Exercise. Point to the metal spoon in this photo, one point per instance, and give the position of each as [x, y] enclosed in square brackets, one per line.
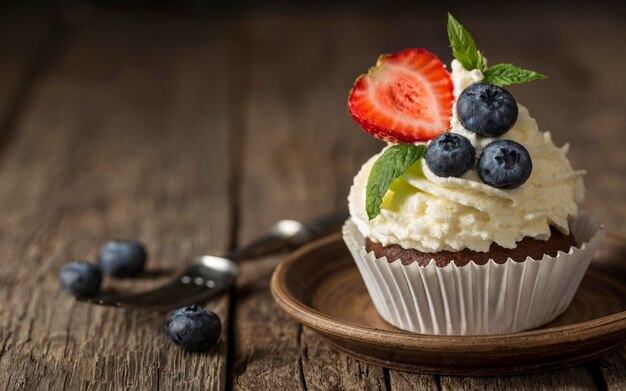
[210, 275]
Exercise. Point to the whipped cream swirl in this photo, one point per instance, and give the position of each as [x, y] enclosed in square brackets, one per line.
[432, 214]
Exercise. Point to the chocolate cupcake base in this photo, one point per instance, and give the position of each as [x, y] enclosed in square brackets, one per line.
[477, 299]
[528, 247]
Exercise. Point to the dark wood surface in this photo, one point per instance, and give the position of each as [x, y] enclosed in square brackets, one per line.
[193, 131]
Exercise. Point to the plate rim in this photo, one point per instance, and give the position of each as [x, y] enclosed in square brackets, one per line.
[329, 325]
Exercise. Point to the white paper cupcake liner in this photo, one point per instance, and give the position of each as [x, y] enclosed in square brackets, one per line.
[476, 299]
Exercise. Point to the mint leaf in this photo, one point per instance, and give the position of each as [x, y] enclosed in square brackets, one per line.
[465, 51]
[481, 62]
[463, 46]
[389, 166]
[505, 74]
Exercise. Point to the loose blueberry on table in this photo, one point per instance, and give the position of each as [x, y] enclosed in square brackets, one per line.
[193, 328]
[122, 258]
[81, 279]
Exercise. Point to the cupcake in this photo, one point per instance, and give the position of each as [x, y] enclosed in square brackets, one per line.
[468, 221]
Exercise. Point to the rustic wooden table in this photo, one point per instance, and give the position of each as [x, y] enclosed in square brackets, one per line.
[194, 131]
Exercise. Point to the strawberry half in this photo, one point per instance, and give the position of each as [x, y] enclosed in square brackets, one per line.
[406, 97]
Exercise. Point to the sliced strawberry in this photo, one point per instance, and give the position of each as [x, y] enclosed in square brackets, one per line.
[406, 97]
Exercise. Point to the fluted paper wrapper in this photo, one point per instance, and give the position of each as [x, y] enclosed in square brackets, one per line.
[476, 299]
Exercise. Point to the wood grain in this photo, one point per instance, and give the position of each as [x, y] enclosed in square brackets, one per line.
[565, 379]
[125, 136]
[22, 60]
[295, 167]
[612, 368]
[186, 129]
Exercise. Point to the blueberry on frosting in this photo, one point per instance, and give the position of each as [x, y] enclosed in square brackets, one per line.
[486, 109]
[504, 164]
[450, 154]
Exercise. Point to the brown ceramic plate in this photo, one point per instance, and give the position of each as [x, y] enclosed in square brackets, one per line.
[320, 286]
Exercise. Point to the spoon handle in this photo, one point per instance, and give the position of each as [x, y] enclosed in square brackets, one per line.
[288, 235]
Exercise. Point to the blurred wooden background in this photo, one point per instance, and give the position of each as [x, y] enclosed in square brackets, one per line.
[194, 128]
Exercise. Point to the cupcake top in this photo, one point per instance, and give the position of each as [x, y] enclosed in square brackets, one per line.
[466, 165]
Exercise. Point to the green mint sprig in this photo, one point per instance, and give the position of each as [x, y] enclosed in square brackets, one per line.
[463, 46]
[465, 51]
[389, 166]
[505, 74]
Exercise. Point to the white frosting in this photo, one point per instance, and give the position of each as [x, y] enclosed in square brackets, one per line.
[432, 214]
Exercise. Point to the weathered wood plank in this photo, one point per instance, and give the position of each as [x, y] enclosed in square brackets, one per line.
[612, 368]
[400, 380]
[301, 152]
[20, 60]
[126, 136]
[567, 379]
[130, 134]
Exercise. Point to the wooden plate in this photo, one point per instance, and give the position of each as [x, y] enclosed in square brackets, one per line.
[320, 286]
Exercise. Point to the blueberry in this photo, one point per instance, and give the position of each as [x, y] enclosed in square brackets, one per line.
[81, 279]
[193, 328]
[122, 258]
[504, 164]
[450, 154]
[486, 109]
